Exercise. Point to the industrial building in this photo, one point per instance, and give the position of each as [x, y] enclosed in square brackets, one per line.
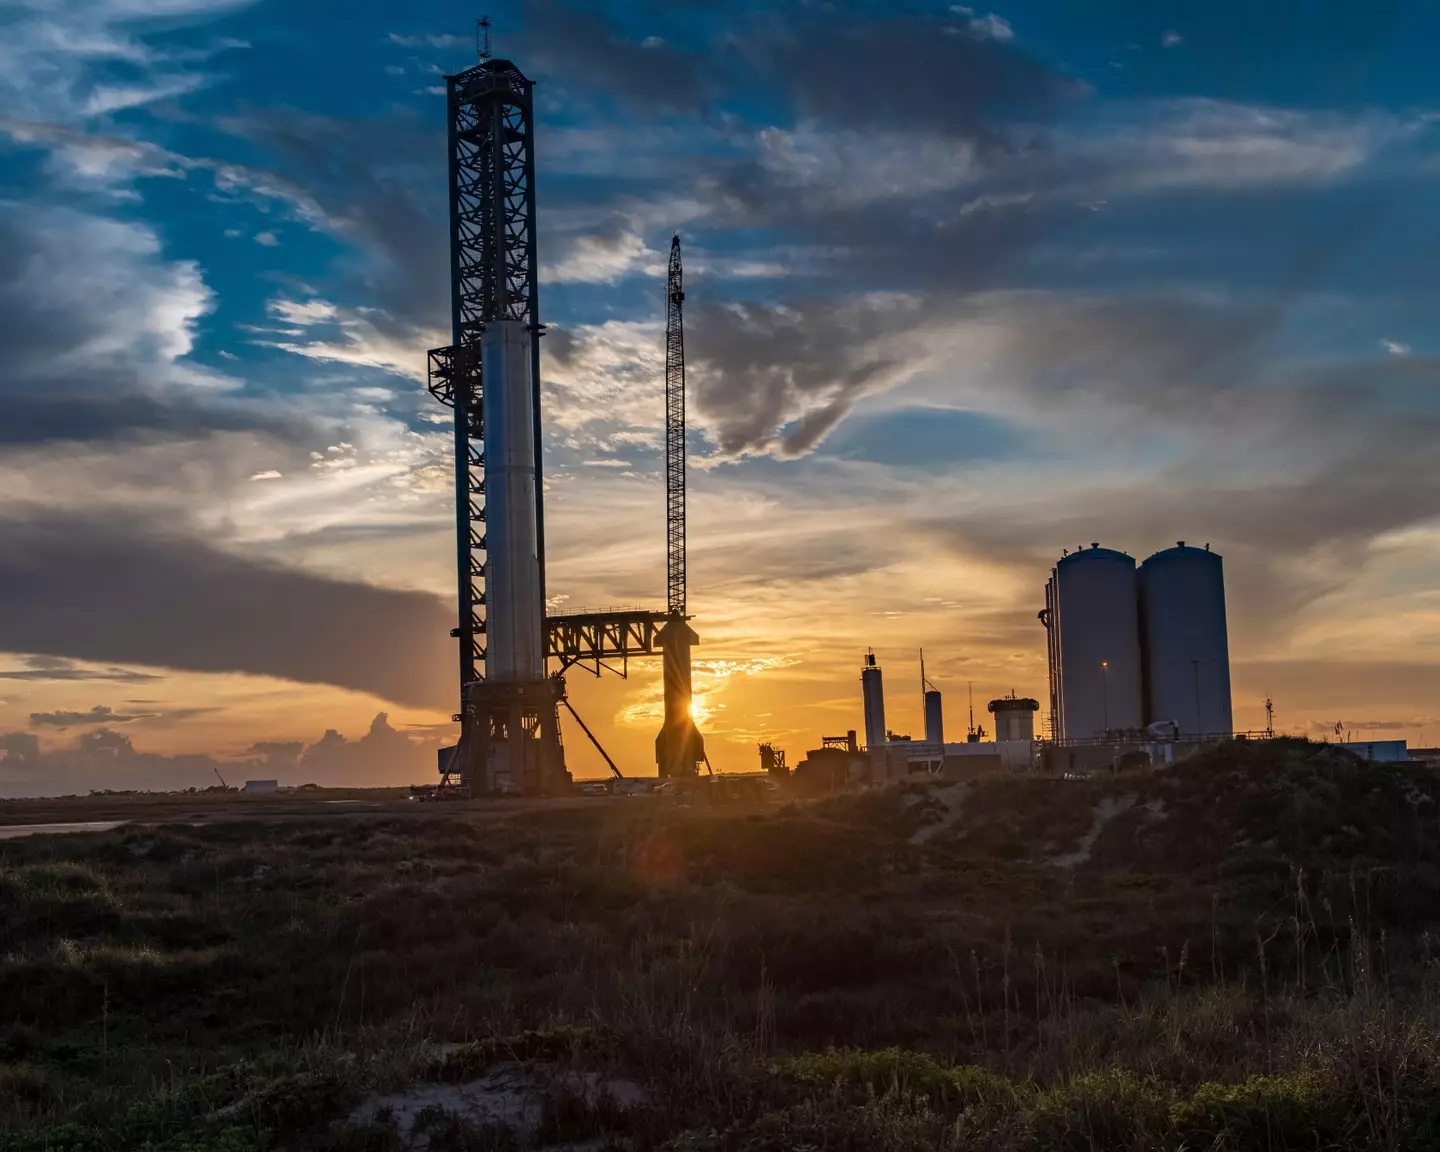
[1130, 647]
[888, 756]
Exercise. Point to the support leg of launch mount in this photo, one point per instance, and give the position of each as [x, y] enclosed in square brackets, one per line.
[593, 739]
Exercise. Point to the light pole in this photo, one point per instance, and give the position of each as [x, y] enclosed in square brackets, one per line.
[1105, 693]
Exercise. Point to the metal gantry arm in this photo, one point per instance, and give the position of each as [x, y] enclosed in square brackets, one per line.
[593, 641]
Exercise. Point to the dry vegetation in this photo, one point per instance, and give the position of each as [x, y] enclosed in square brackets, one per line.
[1236, 953]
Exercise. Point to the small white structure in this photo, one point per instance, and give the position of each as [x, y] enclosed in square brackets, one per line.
[262, 786]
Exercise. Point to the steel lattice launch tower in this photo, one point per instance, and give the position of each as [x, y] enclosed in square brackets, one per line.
[490, 376]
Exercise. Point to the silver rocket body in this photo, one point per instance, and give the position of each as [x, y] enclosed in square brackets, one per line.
[515, 648]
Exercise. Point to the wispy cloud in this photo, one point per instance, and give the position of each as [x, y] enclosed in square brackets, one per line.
[56, 668]
[51, 53]
[99, 714]
[431, 40]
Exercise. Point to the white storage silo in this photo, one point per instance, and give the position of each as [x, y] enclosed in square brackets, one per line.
[1014, 718]
[1186, 644]
[1094, 623]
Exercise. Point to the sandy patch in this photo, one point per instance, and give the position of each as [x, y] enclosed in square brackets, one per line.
[1105, 811]
[509, 1095]
[952, 797]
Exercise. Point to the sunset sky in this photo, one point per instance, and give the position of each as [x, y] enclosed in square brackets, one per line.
[965, 287]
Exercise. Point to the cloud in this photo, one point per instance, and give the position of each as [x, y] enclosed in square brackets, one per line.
[604, 258]
[959, 77]
[378, 183]
[992, 27]
[95, 330]
[379, 754]
[366, 337]
[105, 759]
[587, 52]
[172, 601]
[1395, 347]
[19, 748]
[431, 40]
[779, 379]
[1171, 39]
[99, 714]
[54, 57]
[55, 668]
[267, 239]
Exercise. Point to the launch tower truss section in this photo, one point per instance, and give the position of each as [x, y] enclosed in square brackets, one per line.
[490, 113]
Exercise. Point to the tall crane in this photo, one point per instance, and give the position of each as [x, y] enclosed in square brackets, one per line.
[675, 432]
[679, 747]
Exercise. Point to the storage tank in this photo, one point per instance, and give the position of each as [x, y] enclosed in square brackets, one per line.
[934, 717]
[1186, 646]
[873, 691]
[1014, 718]
[1095, 630]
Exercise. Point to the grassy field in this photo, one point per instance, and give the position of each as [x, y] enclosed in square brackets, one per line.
[1235, 953]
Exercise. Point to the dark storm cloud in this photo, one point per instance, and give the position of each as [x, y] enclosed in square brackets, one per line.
[782, 377]
[90, 417]
[576, 47]
[950, 75]
[112, 590]
[957, 73]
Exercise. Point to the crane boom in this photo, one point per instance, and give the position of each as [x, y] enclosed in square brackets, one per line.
[679, 748]
[675, 433]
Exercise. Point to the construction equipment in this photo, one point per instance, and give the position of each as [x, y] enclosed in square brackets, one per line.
[679, 747]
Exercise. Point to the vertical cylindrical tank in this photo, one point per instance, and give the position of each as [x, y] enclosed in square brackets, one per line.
[515, 620]
[1186, 645]
[934, 717]
[873, 691]
[1014, 718]
[1096, 624]
[1049, 618]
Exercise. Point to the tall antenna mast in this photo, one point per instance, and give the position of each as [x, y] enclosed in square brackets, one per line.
[1269, 716]
[675, 432]
[482, 38]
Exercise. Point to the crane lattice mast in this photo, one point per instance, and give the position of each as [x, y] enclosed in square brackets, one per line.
[679, 748]
[675, 433]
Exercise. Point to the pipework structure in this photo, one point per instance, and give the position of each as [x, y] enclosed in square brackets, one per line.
[490, 377]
